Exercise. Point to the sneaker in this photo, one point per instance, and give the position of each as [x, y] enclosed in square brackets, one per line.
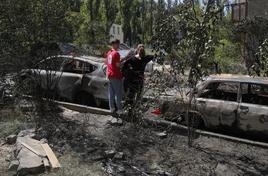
[120, 112]
[113, 111]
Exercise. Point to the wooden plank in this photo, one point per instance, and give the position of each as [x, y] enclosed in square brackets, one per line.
[51, 156]
[31, 149]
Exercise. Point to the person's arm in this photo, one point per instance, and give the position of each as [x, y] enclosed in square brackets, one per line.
[148, 58]
[129, 55]
[127, 68]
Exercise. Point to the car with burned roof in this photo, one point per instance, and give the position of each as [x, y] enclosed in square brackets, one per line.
[233, 102]
[75, 79]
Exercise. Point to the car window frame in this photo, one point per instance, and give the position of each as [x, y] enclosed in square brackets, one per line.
[84, 67]
[220, 81]
[49, 59]
[74, 59]
[241, 96]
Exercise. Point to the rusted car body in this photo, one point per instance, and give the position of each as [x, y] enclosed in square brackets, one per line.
[235, 102]
[75, 79]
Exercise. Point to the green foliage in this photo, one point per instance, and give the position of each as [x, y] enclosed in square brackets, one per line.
[190, 35]
[228, 51]
[255, 31]
[24, 23]
[260, 67]
[90, 30]
[227, 56]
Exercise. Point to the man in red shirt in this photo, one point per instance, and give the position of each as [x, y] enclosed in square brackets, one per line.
[115, 77]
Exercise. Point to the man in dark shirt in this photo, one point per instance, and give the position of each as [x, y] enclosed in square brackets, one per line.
[133, 71]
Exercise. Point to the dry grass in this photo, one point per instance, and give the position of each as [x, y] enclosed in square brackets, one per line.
[73, 166]
[12, 121]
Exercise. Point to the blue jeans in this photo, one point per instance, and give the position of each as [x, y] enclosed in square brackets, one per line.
[115, 89]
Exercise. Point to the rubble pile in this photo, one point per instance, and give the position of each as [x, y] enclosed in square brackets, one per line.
[31, 156]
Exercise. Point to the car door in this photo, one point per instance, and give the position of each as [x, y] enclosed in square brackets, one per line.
[218, 103]
[95, 81]
[253, 109]
[70, 78]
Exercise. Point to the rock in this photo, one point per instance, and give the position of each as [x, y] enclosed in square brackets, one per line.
[224, 170]
[30, 162]
[121, 169]
[162, 134]
[43, 141]
[11, 139]
[119, 156]
[109, 153]
[163, 173]
[8, 158]
[114, 169]
[13, 166]
[28, 132]
[116, 121]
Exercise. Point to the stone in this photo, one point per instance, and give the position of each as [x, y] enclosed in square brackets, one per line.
[224, 170]
[119, 156]
[11, 139]
[163, 173]
[121, 169]
[13, 165]
[30, 162]
[109, 153]
[162, 134]
[28, 132]
[114, 169]
[34, 144]
[116, 121]
[8, 157]
[43, 141]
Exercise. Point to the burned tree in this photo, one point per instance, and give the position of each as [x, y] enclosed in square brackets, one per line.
[189, 36]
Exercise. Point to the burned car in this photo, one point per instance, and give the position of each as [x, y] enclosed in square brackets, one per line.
[75, 79]
[239, 103]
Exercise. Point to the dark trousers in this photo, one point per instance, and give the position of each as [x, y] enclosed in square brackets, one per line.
[133, 89]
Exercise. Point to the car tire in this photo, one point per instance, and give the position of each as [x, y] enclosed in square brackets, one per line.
[196, 120]
[85, 98]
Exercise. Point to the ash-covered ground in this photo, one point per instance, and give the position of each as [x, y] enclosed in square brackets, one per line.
[88, 144]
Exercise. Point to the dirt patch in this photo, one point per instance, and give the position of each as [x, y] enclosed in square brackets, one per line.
[147, 153]
[5, 157]
[88, 144]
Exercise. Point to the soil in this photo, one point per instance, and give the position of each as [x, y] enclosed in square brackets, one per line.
[81, 142]
[5, 156]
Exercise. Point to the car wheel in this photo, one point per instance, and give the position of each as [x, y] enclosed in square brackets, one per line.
[84, 98]
[98, 102]
[195, 120]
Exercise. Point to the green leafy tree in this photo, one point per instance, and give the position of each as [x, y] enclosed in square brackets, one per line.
[111, 12]
[125, 10]
[25, 24]
[91, 30]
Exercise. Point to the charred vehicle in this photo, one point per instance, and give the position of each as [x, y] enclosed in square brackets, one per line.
[233, 102]
[76, 79]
